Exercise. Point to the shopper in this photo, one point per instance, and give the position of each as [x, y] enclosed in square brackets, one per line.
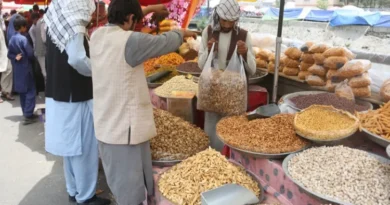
[21, 53]
[69, 123]
[226, 35]
[39, 45]
[123, 113]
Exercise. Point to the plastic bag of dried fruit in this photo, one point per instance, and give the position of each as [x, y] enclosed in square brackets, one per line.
[223, 92]
[385, 91]
[343, 90]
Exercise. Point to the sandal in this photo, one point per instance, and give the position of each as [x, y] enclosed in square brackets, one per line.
[9, 97]
[1, 100]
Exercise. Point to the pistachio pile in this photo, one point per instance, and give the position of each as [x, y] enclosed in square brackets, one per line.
[176, 138]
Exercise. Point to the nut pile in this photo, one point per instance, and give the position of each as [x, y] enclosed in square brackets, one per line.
[345, 174]
[223, 92]
[271, 135]
[176, 138]
[177, 83]
[377, 121]
[305, 101]
[325, 123]
[207, 170]
[190, 67]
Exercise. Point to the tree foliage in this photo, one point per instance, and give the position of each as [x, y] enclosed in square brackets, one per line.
[323, 4]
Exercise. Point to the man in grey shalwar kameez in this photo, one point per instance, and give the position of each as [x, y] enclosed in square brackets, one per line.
[227, 35]
[123, 112]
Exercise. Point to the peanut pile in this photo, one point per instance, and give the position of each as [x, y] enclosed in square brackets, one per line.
[177, 83]
[272, 135]
[176, 138]
[207, 170]
[345, 174]
[223, 92]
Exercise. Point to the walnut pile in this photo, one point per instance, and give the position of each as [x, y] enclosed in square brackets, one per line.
[184, 182]
[176, 138]
[223, 92]
[345, 174]
[271, 135]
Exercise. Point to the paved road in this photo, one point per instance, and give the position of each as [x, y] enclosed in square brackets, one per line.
[28, 174]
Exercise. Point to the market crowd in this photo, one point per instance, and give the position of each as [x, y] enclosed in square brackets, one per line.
[97, 101]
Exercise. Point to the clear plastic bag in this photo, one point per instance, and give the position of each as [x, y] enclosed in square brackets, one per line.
[319, 58]
[304, 66]
[261, 63]
[335, 62]
[303, 74]
[318, 70]
[293, 53]
[385, 91]
[223, 92]
[290, 71]
[331, 86]
[263, 54]
[307, 58]
[315, 80]
[343, 90]
[354, 68]
[340, 52]
[330, 74]
[362, 92]
[290, 62]
[305, 48]
[363, 80]
[318, 48]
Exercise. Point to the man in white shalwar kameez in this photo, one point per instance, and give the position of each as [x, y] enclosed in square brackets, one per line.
[226, 35]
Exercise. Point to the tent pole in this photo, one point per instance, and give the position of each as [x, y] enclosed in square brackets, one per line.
[278, 51]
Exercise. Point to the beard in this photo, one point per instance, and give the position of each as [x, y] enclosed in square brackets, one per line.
[226, 30]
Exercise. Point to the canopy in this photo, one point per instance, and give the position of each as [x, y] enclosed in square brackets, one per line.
[289, 14]
[319, 15]
[351, 17]
[384, 21]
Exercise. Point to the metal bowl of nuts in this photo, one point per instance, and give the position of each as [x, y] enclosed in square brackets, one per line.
[263, 155]
[165, 163]
[376, 138]
[314, 168]
[257, 77]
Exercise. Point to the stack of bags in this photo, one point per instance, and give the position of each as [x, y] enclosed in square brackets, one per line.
[271, 62]
[262, 57]
[317, 76]
[307, 60]
[291, 61]
[356, 72]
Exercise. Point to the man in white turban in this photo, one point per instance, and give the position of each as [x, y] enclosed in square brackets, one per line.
[226, 35]
[69, 122]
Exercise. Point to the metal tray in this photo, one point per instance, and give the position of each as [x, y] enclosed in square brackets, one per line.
[324, 199]
[261, 197]
[376, 138]
[165, 163]
[260, 154]
[187, 73]
[286, 99]
[154, 85]
[258, 79]
[326, 142]
[388, 150]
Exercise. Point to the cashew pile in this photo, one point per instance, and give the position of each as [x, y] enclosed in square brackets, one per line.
[177, 83]
[184, 182]
[176, 138]
[342, 173]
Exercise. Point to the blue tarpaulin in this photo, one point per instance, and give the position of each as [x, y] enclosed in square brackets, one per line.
[319, 15]
[384, 21]
[273, 13]
[348, 17]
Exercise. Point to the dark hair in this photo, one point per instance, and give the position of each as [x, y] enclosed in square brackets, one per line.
[35, 16]
[13, 12]
[19, 22]
[119, 11]
[36, 7]
[46, 9]
[41, 11]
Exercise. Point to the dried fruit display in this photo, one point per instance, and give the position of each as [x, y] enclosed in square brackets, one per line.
[347, 175]
[271, 135]
[207, 170]
[377, 121]
[325, 123]
[172, 59]
[176, 138]
[177, 83]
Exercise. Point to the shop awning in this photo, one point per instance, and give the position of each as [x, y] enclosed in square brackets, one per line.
[146, 2]
[40, 2]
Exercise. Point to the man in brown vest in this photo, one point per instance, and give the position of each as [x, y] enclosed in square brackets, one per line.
[226, 35]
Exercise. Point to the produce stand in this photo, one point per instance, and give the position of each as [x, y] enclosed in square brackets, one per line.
[276, 182]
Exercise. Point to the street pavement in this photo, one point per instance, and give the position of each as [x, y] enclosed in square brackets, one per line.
[28, 174]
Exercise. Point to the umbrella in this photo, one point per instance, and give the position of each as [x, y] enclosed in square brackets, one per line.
[272, 108]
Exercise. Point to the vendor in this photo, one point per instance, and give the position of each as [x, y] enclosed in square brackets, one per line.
[123, 113]
[226, 35]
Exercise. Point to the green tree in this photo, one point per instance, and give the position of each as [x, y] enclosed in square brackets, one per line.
[322, 4]
[277, 3]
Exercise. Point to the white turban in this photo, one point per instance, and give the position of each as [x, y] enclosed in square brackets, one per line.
[227, 10]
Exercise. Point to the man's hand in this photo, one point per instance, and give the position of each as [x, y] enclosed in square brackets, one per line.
[187, 34]
[210, 44]
[241, 48]
[160, 10]
[18, 57]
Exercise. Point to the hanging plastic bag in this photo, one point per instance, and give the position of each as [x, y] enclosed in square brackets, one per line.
[223, 92]
[343, 90]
